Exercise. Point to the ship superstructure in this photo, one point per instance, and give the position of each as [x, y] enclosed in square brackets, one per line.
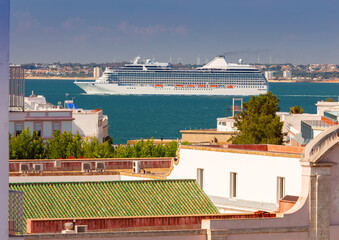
[217, 77]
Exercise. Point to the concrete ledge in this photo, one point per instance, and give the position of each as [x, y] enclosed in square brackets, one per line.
[131, 234]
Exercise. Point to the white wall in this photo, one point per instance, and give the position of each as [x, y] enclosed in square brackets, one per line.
[47, 129]
[4, 79]
[66, 126]
[257, 174]
[11, 127]
[86, 124]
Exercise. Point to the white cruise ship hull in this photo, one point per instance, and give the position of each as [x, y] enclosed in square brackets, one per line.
[115, 89]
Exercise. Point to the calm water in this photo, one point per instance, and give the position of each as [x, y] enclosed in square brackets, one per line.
[135, 117]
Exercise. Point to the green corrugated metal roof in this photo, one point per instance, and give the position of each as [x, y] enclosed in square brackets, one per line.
[113, 199]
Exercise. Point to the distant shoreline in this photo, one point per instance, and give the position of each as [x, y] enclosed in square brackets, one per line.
[304, 81]
[92, 78]
[60, 78]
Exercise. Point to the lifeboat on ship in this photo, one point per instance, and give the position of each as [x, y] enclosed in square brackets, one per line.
[229, 86]
[179, 85]
[201, 86]
[213, 85]
[189, 85]
[158, 85]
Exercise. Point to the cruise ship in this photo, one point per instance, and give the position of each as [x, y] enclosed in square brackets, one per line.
[217, 77]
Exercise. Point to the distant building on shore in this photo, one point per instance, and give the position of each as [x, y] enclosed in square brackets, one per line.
[287, 74]
[97, 72]
[269, 74]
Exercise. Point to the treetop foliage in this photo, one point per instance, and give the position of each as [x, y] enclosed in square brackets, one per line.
[258, 123]
[296, 110]
[329, 100]
[27, 145]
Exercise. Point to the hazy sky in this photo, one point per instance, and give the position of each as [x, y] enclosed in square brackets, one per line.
[288, 31]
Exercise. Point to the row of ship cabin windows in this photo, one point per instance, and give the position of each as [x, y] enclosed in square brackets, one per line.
[201, 88]
[209, 89]
[131, 81]
[191, 80]
[190, 75]
[233, 188]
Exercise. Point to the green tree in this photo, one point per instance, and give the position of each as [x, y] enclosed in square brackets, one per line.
[171, 149]
[75, 147]
[258, 123]
[60, 145]
[94, 149]
[296, 110]
[26, 145]
[147, 149]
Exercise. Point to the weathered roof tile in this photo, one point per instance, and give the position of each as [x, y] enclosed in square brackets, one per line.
[113, 199]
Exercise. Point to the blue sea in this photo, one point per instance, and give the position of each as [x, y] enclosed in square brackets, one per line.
[146, 116]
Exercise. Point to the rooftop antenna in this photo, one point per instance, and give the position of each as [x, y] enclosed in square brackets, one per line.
[206, 60]
[198, 60]
[258, 60]
[270, 60]
[170, 59]
[237, 108]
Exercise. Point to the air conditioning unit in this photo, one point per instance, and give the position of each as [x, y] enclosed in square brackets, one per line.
[24, 168]
[136, 166]
[81, 228]
[38, 168]
[100, 166]
[86, 167]
[57, 164]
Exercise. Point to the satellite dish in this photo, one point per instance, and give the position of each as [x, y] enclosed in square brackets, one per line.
[240, 60]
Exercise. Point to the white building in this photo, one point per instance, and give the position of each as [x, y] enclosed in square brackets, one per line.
[90, 123]
[269, 74]
[41, 116]
[287, 74]
[300, 128]
[97, 72]
[226, 124]
[241, 180]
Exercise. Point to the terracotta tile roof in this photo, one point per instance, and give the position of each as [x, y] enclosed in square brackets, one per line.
[113, 199]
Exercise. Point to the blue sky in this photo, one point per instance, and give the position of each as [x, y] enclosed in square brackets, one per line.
[289, 31]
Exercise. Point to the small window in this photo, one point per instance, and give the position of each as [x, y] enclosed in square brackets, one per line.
[233, 184]
[18, 129]
[280, 188]
[200, 177]
[56, 126]
[37, 128]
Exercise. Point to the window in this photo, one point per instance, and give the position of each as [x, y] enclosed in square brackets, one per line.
[200, 177]
[18, 129]
[56, 126]
[280, 188]
[37, 128]
[233, 185]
